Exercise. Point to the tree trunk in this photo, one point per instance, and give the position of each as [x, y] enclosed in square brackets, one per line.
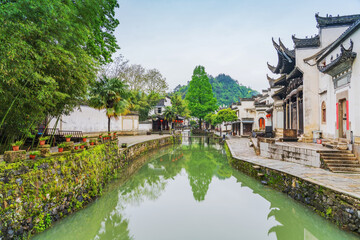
[108, 124]
[200, 123]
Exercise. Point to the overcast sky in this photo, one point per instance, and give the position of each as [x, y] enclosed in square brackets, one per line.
[225, 36]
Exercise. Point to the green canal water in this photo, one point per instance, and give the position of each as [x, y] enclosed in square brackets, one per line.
[190, 192]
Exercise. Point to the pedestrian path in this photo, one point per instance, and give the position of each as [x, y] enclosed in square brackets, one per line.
[341, 182]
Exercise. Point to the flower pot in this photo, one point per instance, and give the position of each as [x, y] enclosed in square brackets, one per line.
[15, 148]
[92, 143]
[68, 139]
[100, 137]
[82, 147]
[60, 149]
[76, 147]
[84, 139]
[32, 156]
[42, 142]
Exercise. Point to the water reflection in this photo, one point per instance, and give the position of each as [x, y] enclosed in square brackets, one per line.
[225, 204]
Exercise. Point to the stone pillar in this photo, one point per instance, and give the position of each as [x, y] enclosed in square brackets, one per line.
[241, 128]
[297, 113]
[287, 115]
[290, 115]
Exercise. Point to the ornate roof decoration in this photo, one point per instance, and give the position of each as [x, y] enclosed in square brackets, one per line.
[271, 68]
[290, 53]
[286, 59]
[330, 21]
[341, 63]
[316, 58]
[295, 73]
[294, 84]
[281, 93]
[306, 42]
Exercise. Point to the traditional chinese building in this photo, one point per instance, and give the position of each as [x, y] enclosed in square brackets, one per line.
[317, 80]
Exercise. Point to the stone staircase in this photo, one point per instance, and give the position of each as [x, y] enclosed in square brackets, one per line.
[338, 143]
[343, 161]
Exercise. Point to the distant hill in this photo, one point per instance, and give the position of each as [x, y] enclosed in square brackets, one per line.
[226, 90]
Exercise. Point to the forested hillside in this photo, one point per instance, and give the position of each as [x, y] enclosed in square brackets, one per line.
[226, 90]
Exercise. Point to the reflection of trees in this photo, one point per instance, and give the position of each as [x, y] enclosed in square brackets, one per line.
[114, 227]
[203, 165]
[294, 220]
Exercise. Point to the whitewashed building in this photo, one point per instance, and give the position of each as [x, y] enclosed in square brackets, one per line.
[318, 81]
[91, 120]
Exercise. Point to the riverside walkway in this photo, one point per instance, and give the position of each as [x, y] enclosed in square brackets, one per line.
[341, 182]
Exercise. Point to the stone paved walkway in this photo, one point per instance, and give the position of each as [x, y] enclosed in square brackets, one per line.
[341, 182]
[131, 140]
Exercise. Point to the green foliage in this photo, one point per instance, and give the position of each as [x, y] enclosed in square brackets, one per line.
[44, 138]
[225, 115]
[68, 136]
[180, 106]
[226, 90]
[36, 153]
[17, 143]
[200, 96]
[169, 113]
[61, 145]
[50, 51]
[110, 94]
[143, 103]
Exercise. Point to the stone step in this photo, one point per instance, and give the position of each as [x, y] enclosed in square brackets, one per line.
[341, 161]
[338, 158]
[350, 165]
[340, 155]
[333, 151]
[345, 169]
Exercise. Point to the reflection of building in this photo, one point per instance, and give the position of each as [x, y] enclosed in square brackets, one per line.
[318, 81]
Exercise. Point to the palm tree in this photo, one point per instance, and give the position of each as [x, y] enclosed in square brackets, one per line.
[169, 114]
[109, 94]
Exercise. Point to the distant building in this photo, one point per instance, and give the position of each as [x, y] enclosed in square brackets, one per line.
[159, 122]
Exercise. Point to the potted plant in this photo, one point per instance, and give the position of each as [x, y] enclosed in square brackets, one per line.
[61, 147]
[124, 145]
[42, 140]
[16, 145]
[114, 134]
[84, 138]
[82, 145]
[33, 154]
[92, 142]
[76, 147]
[68, 137]
[100, 136]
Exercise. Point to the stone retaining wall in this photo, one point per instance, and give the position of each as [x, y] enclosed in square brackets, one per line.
[299, 155]
[33, 194]
[340, 208]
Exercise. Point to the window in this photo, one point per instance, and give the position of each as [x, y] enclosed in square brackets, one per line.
[159, 110]
[323, 112]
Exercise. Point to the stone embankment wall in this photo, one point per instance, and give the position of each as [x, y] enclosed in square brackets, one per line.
[33, 194]
[340, 208]
[299, 155]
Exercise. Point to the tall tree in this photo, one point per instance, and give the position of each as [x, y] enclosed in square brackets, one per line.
[110, 94]
[180, 105]
[50, 51]
[200, 95]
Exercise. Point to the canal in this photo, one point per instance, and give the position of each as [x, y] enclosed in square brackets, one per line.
[189, 191]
